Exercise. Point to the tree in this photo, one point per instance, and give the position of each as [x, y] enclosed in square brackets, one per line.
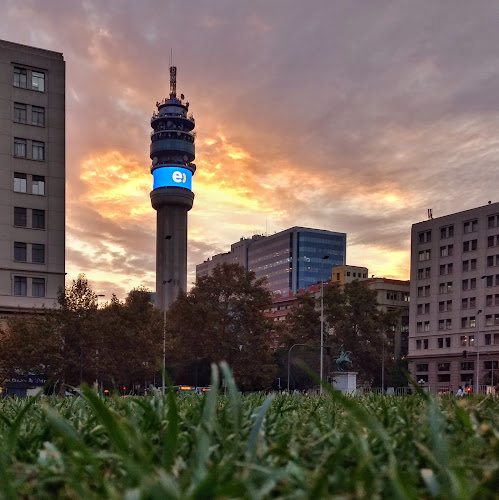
[360, 327]
[222, 318]
[130, 342]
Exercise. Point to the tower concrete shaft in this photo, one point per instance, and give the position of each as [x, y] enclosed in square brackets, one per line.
[172, 153]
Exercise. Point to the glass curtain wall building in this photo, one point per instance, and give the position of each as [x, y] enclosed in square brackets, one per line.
[294, 258]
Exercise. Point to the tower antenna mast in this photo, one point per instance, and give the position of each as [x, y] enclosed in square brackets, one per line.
[173, 77]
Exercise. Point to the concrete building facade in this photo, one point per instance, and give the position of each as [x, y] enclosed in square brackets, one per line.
[346, 274]
[454, 311]
[32, 177]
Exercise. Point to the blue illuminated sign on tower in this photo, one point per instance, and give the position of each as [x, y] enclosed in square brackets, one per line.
[172, 177]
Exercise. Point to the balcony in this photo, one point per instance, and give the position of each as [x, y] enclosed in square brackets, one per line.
[173, 145]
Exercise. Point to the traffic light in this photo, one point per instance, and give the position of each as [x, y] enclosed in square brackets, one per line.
[465, 354]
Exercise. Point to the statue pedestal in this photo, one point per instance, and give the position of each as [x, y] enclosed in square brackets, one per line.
[345, 382]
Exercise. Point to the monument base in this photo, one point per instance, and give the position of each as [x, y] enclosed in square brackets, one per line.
[345, 382]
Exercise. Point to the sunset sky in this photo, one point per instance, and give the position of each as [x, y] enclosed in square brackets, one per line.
[353, 116]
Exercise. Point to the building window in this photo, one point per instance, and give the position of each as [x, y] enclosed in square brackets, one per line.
[38, 253]
[418, 344]
[492, 319]
[445, 287]
[492, 280]
[469, 265]
[38, 185]
[19, 182]
[467, 366]
[470, 226]
[424, 255]
[38, 81]
[38, 219]
[424, 273]
[38, 149]
[419, 326]
[20, 251]
[19, 147]
[443, 377]
[20, 112]
[425, 343]
[469, 246]
[447, 341]
[426, 326]
[20, 285]
[447, 231]
[440, 342]
[20, 217]
[38, 116]
[488, 339]
[446, 269]
[424, 236]
[390, 295]
[20, 77]
[492, 300]
[493, 221]
[443, 367]
[38, 287]
[492, 241]
[492, 260]
[422, 367]
[446, 250]
[468, 322]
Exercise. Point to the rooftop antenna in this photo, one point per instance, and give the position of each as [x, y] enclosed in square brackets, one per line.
[430, 214]
[173, 77]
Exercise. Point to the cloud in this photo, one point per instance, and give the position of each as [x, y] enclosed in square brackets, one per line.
[348, 116]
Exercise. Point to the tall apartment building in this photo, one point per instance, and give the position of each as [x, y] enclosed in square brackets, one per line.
[32, 177]
[454, 311]
[290, 260]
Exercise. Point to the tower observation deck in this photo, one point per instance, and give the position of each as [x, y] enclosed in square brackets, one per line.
[172, 154]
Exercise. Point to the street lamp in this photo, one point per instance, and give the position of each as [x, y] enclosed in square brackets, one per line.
[322, 321]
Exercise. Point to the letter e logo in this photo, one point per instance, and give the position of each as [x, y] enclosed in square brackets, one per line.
[177, 176]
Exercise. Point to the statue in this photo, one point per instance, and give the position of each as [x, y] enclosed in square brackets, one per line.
[343, 360]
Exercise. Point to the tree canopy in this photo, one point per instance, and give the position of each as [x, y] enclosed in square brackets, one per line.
[222, 318]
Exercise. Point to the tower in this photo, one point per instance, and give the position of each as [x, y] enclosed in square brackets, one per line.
[172, 153]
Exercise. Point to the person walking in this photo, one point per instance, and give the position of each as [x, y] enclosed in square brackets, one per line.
[460, 391]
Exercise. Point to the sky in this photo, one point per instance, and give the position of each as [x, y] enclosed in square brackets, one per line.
[349, 116]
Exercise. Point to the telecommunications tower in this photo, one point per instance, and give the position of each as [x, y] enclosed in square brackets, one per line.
[172, 154]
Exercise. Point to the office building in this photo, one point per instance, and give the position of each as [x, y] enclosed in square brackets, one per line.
[346, 274]
[454, 311]
[172, 153]
[291, 259]
[32, 177]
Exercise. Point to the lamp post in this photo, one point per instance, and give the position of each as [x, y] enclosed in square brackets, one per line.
[477, 385]
[322, 322]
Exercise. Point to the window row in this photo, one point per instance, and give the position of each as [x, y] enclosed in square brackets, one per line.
[21, 286]
[21, 218]
[424, 236]
[445, 287]
[445, 324]
[446, 269]
[21, 148]
[36, 80]
[37, 184]
[21, 114]
[21, 252]
[424, 255]
[468, 322]
[492, 339]
[424, 291]
[465, 366]
[424, 272]
[469, 265]
[445, 305]
[468, 284]
[468, 303]
[394, 295]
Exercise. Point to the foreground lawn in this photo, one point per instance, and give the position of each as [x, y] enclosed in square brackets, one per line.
[254, 446]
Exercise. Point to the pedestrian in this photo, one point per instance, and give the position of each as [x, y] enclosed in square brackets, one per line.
[460, 391]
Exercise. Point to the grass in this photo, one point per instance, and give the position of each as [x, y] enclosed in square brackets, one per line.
[258, 446]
